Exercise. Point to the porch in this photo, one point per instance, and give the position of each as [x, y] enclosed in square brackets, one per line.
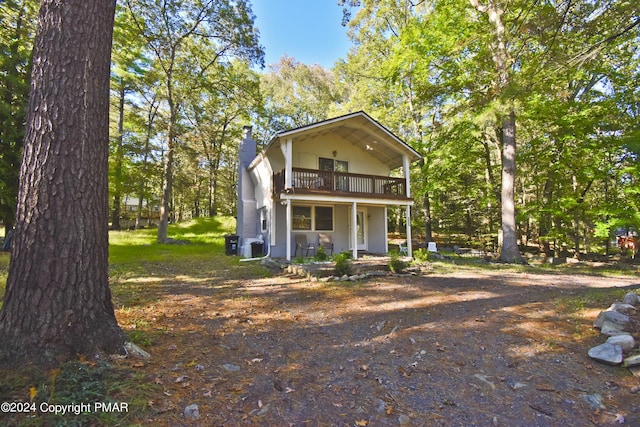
[313, 181]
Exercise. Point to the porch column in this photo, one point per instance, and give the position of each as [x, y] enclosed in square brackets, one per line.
[407, 174]
[286, 148]
[408, 221]
[354, 230]
[288, 232]
[386, 230]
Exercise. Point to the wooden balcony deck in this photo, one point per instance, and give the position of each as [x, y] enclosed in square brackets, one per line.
[312, 181]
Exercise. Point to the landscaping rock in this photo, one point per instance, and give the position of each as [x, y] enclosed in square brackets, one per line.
[631, 298]
[632, 361]
[625, 341]
[607, 353]
[622, 308]
[134, 350]
[611, 328]
[192, 412]
[611, 316]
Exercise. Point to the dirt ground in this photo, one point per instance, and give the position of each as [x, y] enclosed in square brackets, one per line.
[475, 348]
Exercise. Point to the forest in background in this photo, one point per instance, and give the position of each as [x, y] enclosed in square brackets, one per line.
[445, 76]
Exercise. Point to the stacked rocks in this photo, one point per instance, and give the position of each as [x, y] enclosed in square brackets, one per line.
[612, 323]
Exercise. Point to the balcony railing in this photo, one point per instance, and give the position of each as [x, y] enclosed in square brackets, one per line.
[312, 181]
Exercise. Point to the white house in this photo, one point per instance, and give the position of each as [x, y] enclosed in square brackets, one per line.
[331, 179]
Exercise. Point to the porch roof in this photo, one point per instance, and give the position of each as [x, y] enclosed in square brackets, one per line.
[360, 130]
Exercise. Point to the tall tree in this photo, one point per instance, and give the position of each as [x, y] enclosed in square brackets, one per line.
[58, 303]
[127, 72]
[297, 94]
[16, 40]
[187, 38]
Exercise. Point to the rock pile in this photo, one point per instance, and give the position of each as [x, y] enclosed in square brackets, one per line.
[620, 343]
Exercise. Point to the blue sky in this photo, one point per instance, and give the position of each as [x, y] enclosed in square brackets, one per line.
[308, 30]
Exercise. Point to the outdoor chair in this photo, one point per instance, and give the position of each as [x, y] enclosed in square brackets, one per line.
[402, 248]
[324, 242]
[304, 246]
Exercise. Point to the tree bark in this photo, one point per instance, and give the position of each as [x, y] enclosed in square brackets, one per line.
[428, 226]
[167, 183]
[509, 252]
[58, 303]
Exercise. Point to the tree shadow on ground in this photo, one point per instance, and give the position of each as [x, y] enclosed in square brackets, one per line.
[440, 350]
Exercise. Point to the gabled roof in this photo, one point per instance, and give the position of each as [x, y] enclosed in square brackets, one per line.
[359, 129]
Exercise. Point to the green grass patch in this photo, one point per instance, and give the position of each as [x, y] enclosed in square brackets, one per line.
[74, 383]
[132, 252]
[454, 264]
[599, 298]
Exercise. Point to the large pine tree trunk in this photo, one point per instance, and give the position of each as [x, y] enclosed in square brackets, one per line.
[509, 252]
[167, 184]
[57, 302]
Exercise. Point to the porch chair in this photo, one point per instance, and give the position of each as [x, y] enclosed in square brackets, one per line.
[303, 245]
[402, 248]
[324, 241]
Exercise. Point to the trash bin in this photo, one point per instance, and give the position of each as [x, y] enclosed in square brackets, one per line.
[231, 244]
[257, 249]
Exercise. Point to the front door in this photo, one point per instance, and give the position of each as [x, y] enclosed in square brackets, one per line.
[361, 229]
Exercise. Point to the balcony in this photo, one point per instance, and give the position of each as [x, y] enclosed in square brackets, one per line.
[312, 181]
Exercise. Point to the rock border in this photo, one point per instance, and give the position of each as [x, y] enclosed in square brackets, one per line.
[620, 348]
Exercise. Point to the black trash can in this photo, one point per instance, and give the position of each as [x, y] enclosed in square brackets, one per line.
[257, 249]
[231, 244]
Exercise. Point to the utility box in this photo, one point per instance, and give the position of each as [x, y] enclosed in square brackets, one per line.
[257, 249]
[231, 244]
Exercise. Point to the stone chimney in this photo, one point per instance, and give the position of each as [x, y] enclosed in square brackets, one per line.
[247, 147]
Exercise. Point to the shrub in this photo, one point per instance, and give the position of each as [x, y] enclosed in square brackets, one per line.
[343, 263]
[421, 255]
[321, 255]
[396, 265]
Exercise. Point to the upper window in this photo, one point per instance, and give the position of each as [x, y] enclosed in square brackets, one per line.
[325, 164]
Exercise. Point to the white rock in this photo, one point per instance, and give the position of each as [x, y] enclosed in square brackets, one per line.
[192, 412]
[134, 350]
[607, 353]
[625, 341]
[611, 328]
[630, 298]
[622, 308]
[612, 316]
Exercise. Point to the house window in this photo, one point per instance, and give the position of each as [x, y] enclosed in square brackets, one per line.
[341, 182]
[325, 164]
[263, 220]
[302, 217]
[307, 218]
[324, 218]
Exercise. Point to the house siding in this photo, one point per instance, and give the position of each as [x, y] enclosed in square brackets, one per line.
[306, 154]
